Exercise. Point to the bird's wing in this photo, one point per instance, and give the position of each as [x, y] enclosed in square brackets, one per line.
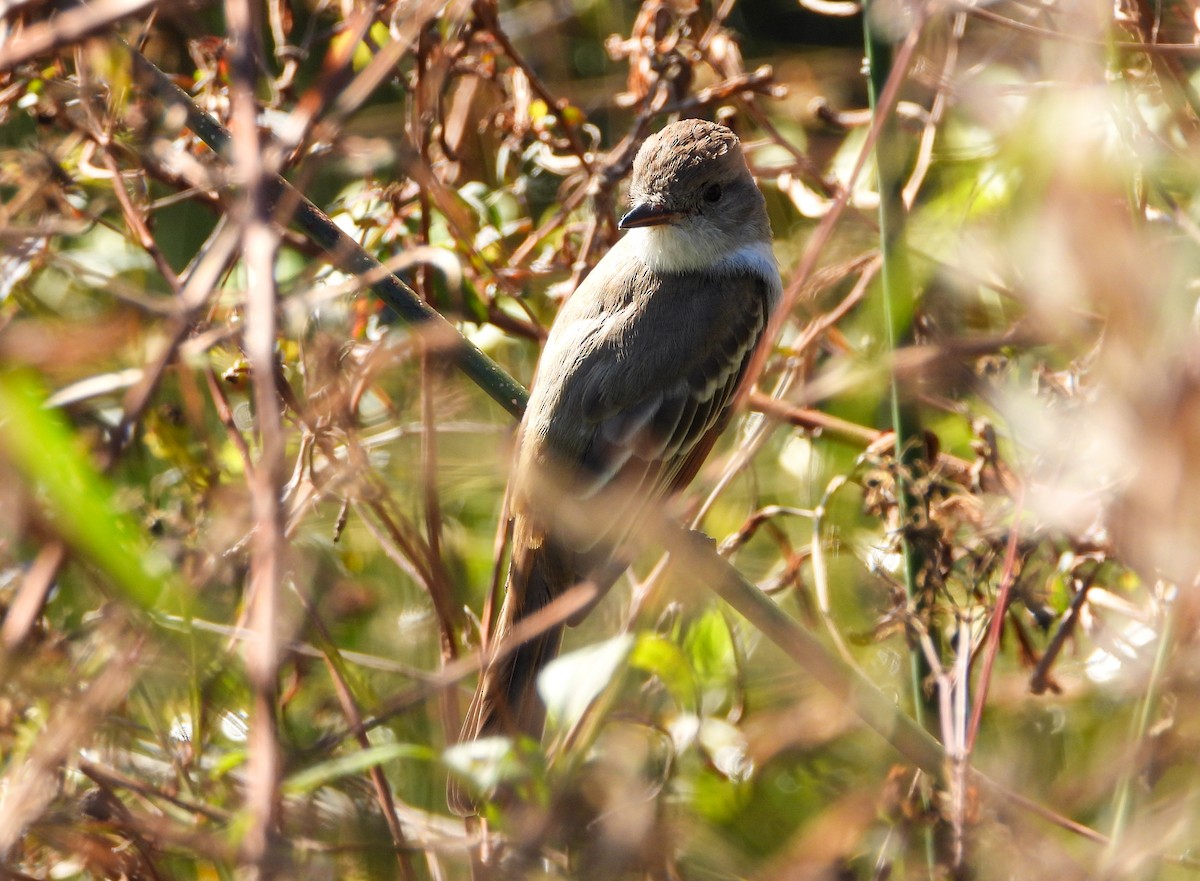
[652, 420]
[650, 386]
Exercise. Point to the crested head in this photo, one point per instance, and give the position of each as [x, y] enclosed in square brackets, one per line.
[693, 198]
[683, 152]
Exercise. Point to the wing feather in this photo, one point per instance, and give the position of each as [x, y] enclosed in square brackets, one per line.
[646, 373]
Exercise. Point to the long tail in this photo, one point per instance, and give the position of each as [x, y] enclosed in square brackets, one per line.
[506, 701]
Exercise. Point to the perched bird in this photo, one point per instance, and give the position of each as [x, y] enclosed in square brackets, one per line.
[635, 382]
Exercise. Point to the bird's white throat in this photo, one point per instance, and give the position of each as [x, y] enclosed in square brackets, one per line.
[697, 248]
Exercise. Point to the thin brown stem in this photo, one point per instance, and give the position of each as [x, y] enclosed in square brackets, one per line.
[999, 615]
[259, 244]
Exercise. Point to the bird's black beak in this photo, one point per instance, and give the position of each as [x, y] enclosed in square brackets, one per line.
[647, 214]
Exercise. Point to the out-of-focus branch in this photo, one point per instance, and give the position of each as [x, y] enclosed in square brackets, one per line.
[253, 211]
[347, 254]
[487, 13]
[700, 559]
[66, 28]
[1071, 37]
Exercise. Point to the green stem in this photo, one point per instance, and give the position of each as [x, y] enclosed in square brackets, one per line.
[1124, 800]
[898, 305]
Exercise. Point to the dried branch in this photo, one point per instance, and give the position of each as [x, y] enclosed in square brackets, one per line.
[67, 28]
[346, 253]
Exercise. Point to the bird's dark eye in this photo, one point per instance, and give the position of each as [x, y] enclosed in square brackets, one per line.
[713, 193]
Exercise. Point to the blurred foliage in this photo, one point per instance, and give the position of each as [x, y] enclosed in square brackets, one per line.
[1053, 228]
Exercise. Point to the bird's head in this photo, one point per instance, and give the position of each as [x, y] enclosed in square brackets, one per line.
[692, 197]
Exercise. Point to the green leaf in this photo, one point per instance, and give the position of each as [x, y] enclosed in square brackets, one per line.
[487, 762]
[709, 647]
[354, 763]
[570, 683]
[79, 500]
[663, 658]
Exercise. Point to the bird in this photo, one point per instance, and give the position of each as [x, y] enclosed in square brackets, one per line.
[637, 378]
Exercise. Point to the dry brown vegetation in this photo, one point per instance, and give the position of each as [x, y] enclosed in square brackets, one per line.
[267, 274]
